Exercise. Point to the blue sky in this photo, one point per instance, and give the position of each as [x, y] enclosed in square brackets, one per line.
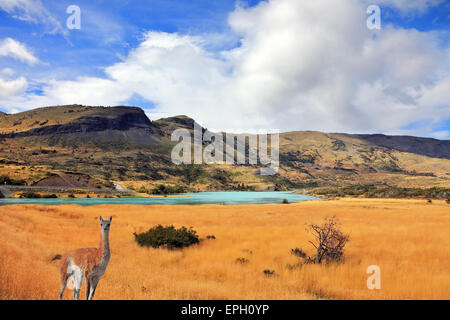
[112, 30]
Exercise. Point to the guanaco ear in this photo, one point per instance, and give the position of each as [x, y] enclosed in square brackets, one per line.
[110, 219]
[101, 219]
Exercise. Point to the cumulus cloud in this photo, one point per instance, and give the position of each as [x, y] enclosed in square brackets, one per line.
[12, 48]
[13, 87]
[301, 65]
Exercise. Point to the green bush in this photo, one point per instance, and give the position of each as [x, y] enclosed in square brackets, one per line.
[50, 196]
[109, 184]
[5, 179]
[242, 260]
[269, 273]
[299, 253]
[142, 190]
[371, 191]
[30, 195]
[164, 189]
[192, 172]
[243, 187]
[167, 237]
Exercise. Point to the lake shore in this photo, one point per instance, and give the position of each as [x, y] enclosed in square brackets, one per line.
[400, 236]
[197, 198]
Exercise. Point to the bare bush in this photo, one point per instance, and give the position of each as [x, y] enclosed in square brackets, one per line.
[329, 242]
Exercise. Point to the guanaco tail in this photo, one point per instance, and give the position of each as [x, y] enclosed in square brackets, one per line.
[85, 265]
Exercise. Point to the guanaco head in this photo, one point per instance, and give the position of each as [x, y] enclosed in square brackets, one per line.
[105, 224]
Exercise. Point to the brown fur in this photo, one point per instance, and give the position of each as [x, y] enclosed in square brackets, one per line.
[86, 258]
[89, 260]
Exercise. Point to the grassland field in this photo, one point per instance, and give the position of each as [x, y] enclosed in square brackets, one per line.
[408, 239]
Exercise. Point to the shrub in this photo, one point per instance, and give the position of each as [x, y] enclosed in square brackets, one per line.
[299, 253]
[167, 237]
[164, 189]
[109, 184]
[285, 201]
[242, 260]
[71, 195]
[142, 190]
[5, 179]
[329, 242]
[50, 196]
[372, 191]
[223, 177]
[448, 200]
[244, 187]
[211, 237]
[30, 195]
[192, 172]
[269, 273]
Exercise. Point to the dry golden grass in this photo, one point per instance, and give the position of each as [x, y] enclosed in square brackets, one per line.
[408, 239]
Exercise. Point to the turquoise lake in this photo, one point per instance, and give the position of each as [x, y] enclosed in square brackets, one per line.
[228, 198]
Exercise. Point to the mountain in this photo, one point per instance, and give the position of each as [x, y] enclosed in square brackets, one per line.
[68, 125]
[120, 144]
[425, 146]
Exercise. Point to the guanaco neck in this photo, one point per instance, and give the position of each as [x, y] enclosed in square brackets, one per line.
[104, 244]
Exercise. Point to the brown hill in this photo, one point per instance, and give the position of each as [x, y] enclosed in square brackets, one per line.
[425, 146]
[122, 144]
[75, 124]
[67, 179]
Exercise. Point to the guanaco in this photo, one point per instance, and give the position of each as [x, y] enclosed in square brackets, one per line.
[85, 265]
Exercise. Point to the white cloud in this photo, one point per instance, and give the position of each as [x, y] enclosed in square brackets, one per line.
[441, 134]
[302, 65]
[12, 48]
[437, 95]
[92, 91]
[13, 87]
[8, 71]
[33, 11]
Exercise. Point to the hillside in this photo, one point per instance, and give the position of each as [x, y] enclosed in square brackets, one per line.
[63, 115]
[425, 146]
[120, 144]
[71, 125]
